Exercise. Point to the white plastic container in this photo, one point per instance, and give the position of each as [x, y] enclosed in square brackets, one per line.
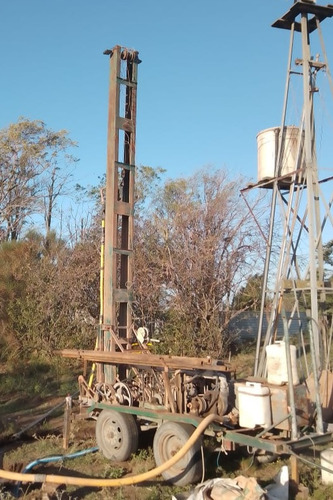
[326, 460]
[254, 405]
[277, 372]
[267, 147]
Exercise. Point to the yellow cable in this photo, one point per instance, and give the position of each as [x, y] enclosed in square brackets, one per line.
[107, 483]
[101, 286]
[101, 298]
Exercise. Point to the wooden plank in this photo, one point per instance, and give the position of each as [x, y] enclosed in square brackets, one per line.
[145, 358]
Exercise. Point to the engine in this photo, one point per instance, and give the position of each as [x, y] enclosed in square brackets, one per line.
[206, 394]
[183, 391]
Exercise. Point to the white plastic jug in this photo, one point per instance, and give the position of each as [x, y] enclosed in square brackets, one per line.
[326, 460]
[254, 405]
[277, 372]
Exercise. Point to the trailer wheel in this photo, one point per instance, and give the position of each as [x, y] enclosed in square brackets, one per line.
[117, 435]
[169, 438]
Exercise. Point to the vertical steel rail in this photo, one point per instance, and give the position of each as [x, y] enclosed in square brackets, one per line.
[294, 429]
[319, 420]
[311, 180]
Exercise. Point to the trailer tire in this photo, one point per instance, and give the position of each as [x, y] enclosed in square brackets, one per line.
[117, 435]
[168, 439]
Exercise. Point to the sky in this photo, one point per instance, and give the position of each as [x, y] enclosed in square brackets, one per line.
[212, 76]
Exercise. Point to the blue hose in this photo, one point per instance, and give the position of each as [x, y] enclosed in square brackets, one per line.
[56, 458]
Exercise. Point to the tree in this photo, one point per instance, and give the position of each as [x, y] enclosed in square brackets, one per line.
[328, 253]
[56, 184]
[199, 246]
[196, 247]
[249, 296]
[48, 294]
[29, 157]
[147, 182]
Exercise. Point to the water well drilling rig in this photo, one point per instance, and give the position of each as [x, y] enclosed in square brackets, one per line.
[135, 389]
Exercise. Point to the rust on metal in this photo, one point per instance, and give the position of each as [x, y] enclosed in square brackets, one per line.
[145, 358]
[119, 202]
[280, 405]
[320, 12]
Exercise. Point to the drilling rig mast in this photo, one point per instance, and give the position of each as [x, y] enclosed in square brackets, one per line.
[116, 321]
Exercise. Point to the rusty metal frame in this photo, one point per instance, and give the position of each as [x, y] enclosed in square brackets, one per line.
[145, 358]
[119, 201]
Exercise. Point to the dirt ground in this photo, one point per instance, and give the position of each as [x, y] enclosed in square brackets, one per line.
[35, 431]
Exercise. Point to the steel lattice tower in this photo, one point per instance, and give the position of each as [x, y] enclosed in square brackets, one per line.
[294, 283]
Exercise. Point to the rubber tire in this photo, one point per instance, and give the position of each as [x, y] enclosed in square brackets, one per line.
[168, 439]
[117, 435]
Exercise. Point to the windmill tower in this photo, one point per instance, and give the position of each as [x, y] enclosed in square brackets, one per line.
[295, 288]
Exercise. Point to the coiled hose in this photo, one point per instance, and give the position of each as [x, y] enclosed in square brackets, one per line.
[125, 481]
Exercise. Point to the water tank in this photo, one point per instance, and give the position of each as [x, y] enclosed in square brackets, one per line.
[268, 147]
[277, 368]
[254, 405]
[326, 460]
